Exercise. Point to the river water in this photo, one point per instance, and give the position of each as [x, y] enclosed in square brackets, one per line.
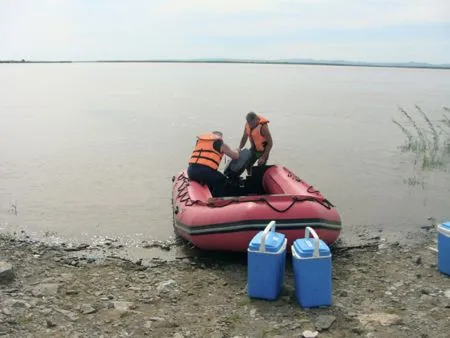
[89, 149]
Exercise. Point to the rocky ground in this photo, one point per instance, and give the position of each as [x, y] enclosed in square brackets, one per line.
[380, 289]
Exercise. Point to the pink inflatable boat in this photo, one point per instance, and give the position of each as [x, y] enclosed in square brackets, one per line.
[272, 193]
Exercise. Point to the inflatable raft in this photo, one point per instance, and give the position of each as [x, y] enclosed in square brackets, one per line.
[270, 193]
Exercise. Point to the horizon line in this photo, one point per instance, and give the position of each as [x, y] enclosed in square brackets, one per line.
[289, 61]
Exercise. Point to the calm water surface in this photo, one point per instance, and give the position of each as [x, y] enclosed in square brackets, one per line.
[90, 149]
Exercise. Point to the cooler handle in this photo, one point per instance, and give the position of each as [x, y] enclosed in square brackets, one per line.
[316, 240]
[269, 227]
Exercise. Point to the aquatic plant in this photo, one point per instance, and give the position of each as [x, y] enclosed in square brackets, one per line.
[428, 140]
[6, 236]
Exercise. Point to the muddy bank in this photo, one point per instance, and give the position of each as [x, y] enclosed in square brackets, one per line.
[380, 289]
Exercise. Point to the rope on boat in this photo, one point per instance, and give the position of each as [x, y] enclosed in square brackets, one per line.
[291, 175]
[183, 195]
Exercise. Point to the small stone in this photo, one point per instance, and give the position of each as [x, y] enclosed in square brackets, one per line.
[167, 286]
[148, 324]
[447, 293]
[418, 260]
[358, 330]
[217, 334]
[178, 335]
[384, 319]
[296, 326]
[424, 292]
[123, 306]
[49, 323]
[72, 292]
[70, 315]
[324, 322]
[134, 288]
[6, 272]
[156, 319]
[310, 334]
[253, 313]
[397, 285]
[7, 311]
[382, 246]
[46, 311]
[426, 298]
[87, 309]
[343, 293]
[66, 276]
[50, 289]
[21, 304]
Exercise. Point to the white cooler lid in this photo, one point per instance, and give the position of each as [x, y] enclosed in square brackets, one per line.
[444, 229]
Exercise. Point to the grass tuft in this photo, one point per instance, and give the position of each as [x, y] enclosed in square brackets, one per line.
[428, 140]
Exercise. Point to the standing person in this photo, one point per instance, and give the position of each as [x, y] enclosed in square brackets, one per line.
[257, 130]
[205, 160]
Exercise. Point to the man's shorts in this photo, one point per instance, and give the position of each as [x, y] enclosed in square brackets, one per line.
[255, 155]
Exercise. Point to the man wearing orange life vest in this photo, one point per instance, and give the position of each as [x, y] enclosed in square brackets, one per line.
[205, 160]
[257, 130]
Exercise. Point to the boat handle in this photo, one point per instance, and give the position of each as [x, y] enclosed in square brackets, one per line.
[269, 227]
[316, 240]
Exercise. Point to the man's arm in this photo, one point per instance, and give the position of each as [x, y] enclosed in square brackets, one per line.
[229, 152]
[266, 134]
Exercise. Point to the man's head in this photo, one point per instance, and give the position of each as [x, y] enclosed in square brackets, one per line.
[252, 119]
[218, 133]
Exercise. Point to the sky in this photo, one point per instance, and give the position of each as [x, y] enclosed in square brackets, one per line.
[352, 30]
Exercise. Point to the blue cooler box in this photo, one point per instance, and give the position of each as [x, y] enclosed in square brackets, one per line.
[266, 257]
[444, 248]
[311, 260]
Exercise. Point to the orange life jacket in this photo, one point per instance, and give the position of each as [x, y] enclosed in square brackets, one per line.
[256, 139]
[204, 152]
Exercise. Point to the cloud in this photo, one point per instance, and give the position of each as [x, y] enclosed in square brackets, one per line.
[312, 13]
[108, 29]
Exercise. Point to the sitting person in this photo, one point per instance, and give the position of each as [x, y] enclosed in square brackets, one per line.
[257, 130]
[205, 161]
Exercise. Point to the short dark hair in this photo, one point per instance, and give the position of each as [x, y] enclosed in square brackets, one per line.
[218, 133]
[251, 116]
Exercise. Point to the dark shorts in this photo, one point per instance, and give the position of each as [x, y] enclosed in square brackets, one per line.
[214, 179]
[255, 155]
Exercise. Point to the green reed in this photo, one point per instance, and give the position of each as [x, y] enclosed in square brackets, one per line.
[427, 139]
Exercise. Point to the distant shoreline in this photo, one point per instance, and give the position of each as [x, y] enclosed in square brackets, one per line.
[268, 62]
